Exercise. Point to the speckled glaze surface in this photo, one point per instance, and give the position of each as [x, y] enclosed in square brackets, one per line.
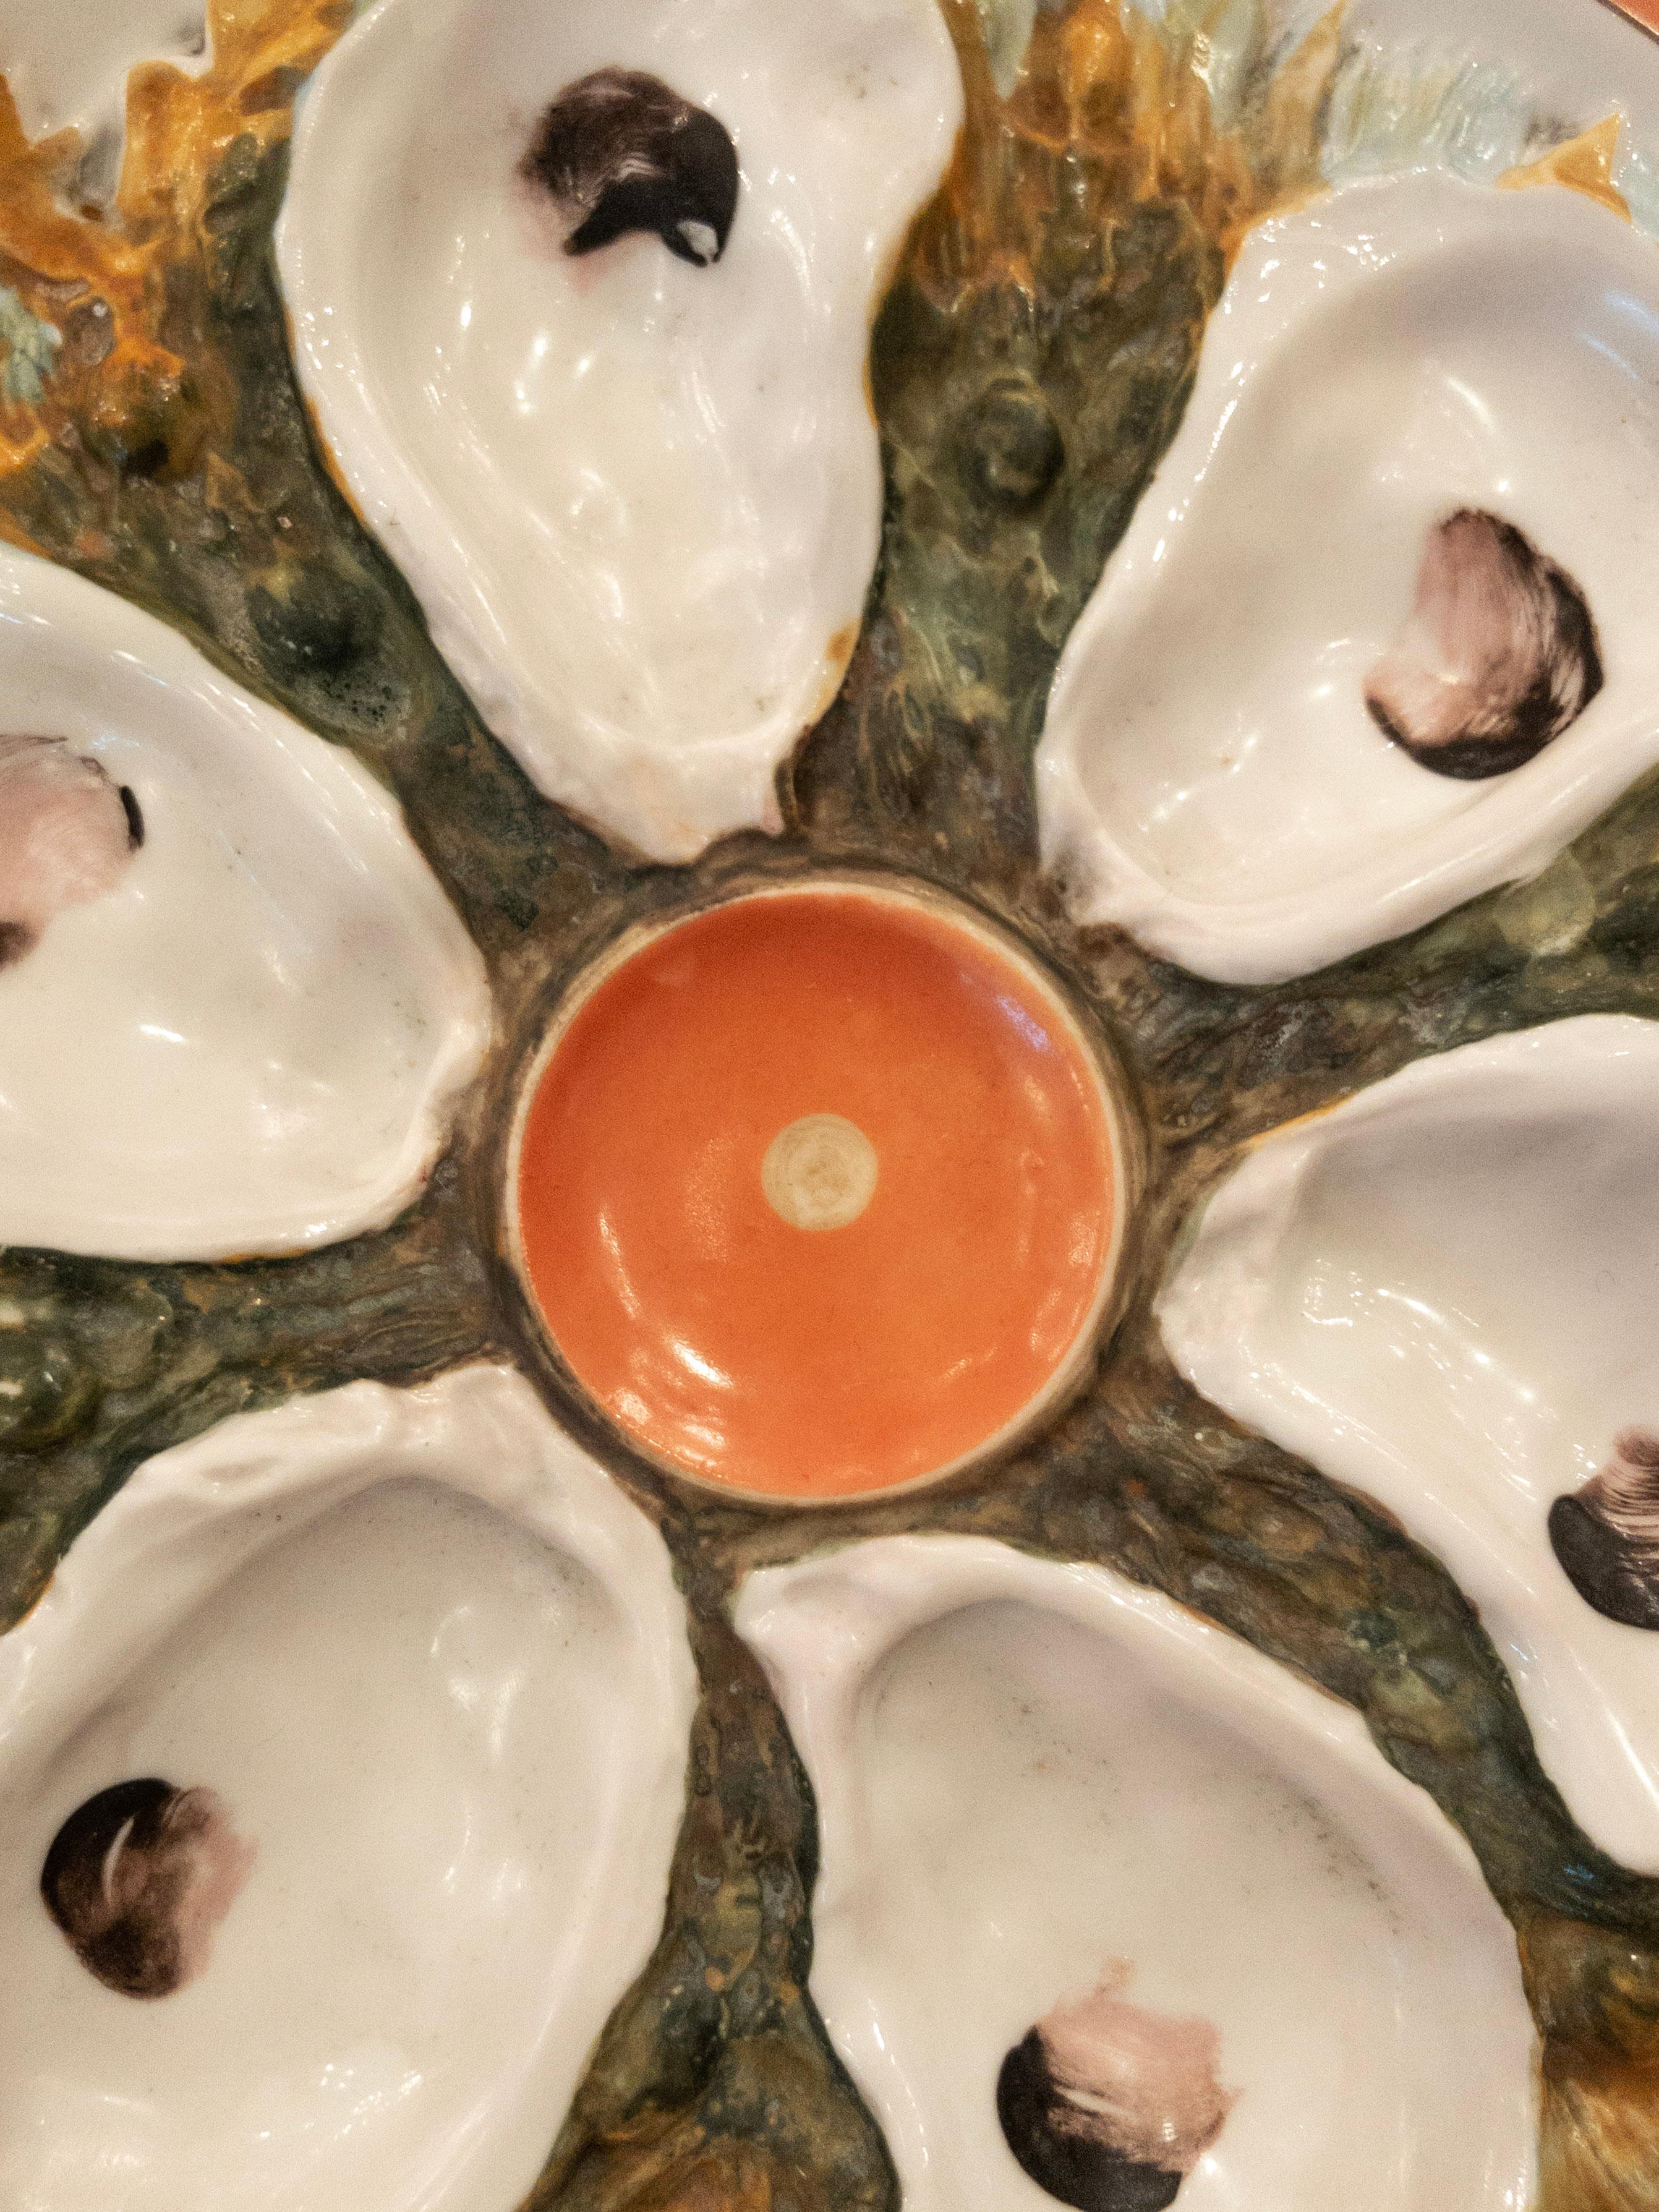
[1324, 1691]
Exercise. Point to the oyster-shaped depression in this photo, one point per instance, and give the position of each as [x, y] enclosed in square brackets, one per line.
[393, 1690]
[637, 487]
[1261, 1969]
[1441, 1293]
[1343, 670]
[234, 1004]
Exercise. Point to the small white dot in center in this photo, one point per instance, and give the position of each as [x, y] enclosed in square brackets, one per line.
[819, 1172]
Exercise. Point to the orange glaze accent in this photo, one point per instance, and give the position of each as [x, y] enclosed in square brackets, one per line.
[816, 1363]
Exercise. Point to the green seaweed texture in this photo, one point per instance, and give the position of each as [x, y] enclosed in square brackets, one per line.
[1031, 363]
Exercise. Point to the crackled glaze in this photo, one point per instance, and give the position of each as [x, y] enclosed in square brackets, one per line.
[1440, 1293]
[1034, 1778]
[425, 1669]
[639, 498]
[1210, 775]
[246, 1033]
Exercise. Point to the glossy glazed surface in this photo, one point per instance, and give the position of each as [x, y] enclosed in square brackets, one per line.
[433, 1668]
[253, 1040]
[1441, 1292]
[1026, 1772]
[815, 1360]
[1203, 1508]
[1517, 58]
[1209, 773]
[68, 62]
[639, 499]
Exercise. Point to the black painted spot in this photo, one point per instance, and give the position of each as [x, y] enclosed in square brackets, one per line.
[1054, 2144]
[135, 815]
[620, 151]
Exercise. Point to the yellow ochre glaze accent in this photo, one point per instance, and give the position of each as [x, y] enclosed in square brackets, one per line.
[1583, 164]
[143, 384]
[1099, 78]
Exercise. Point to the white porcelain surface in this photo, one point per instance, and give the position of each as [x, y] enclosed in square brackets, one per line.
[1209, 776]
[66, 61]
[252, 1042]
[1497, 61]
[1025, 1771]
[640, 500]
[434, 1665]
[1441, 1292]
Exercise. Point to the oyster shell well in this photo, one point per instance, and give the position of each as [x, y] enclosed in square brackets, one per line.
[1439, 1293]
[1413, 368]
[638, 490]
[393, 1690]
[237, 1008]
[1030, 1777]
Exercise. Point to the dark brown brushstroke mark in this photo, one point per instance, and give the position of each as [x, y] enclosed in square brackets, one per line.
[1109, 2107]
[1497, 657]
[619, 151]
[139, 1879]
[1606, 1535]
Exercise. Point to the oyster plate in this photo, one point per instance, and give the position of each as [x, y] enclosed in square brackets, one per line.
[1225, 1782]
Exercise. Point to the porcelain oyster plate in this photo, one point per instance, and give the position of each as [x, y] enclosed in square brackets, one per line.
[829, 1038]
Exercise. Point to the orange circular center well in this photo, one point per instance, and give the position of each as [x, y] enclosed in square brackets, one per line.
[815, 1192]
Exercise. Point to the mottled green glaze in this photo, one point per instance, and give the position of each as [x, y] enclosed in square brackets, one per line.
[1022, 412]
